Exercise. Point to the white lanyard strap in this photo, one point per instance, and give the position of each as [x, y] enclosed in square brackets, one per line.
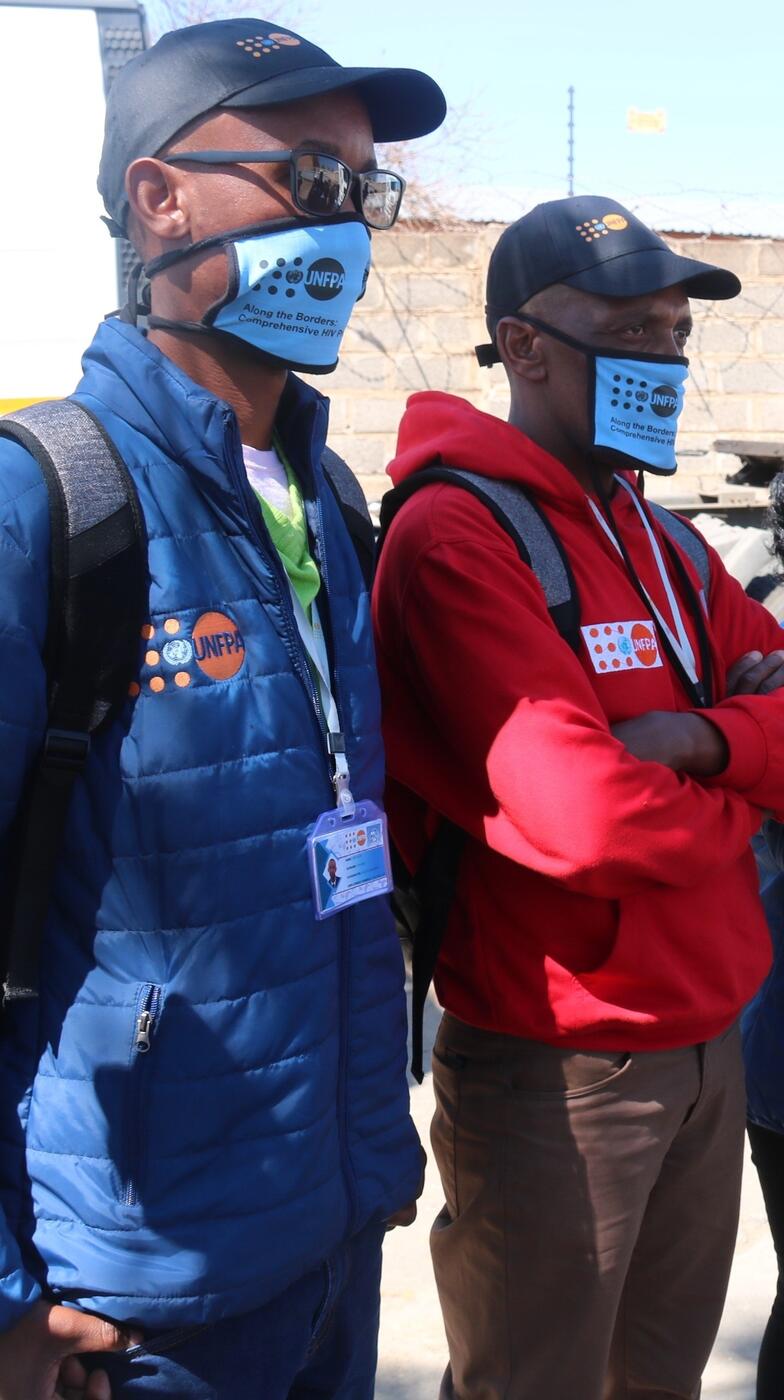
[679, 641]
[312, 636]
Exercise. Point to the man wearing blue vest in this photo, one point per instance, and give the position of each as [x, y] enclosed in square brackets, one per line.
[205, 1126]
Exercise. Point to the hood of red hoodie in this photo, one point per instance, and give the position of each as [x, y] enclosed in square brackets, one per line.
[443, 428]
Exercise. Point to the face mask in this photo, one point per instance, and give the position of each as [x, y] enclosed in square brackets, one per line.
[291, 288]
[634, 402]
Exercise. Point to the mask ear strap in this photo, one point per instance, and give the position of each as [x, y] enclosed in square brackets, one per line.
[564, 338]
[233, 235]
[138, 293]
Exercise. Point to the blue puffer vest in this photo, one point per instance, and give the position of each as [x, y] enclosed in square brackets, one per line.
[211, 1094]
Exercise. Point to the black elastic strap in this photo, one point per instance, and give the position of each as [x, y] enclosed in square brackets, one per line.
[43, 823]
[435, 883]
[698, 617]
[353, 506]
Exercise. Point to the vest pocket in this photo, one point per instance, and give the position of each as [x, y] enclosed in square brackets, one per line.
[134, 1158]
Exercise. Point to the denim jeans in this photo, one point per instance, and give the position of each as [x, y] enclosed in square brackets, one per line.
[316, 1341]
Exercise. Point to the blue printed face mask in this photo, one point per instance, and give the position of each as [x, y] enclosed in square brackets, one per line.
[634, 402]
[291, 288]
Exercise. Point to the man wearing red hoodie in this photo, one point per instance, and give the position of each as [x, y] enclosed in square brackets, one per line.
[605, 930]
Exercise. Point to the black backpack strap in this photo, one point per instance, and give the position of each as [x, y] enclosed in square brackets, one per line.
[688, 540]
[423, 902]
[350, 497]
[97, 606]
[527, 526]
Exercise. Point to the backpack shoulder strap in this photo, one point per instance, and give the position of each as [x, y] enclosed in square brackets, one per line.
[351, 499]
[684, 535]
[97, 606]
[429, 894]
[527, 526]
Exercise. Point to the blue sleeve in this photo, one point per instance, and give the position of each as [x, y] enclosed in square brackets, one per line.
[24, 585]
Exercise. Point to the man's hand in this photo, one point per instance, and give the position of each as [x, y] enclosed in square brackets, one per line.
[406, 1216]
[408, 1213]
[755, 674]
[687, 743]
[38, 1357]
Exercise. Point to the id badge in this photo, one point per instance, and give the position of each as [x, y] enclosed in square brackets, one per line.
[349, 860]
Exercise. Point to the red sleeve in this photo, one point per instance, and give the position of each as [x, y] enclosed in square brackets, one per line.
[752, 725]
[491, 719]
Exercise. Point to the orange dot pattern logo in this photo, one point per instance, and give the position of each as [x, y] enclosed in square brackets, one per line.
[259, 45]
[593, 229]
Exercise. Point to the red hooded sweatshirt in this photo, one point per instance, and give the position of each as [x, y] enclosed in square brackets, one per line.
[603, 902]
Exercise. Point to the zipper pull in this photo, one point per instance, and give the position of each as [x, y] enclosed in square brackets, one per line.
[144, 1032]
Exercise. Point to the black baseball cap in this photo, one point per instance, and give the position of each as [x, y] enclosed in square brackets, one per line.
[596, 245]
[243, 63]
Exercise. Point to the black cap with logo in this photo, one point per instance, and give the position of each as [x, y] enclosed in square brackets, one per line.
[243, 63]
[596, 245]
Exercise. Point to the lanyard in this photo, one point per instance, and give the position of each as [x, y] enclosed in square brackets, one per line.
[312, 636]
[679, 641]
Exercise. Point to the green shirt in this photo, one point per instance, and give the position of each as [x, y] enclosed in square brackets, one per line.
[289, 534]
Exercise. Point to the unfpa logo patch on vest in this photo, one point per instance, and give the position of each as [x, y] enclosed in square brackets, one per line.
[215, 649]
[218, 646]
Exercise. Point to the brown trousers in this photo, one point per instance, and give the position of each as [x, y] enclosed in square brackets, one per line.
[591, 1210]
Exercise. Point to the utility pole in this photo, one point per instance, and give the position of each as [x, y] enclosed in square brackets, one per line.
[571, 140]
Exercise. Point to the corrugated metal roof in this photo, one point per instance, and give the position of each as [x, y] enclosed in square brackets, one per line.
[701, 213]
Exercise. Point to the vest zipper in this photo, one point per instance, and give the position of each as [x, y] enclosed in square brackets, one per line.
[298, 655]
[145, 1021]
[295, 647]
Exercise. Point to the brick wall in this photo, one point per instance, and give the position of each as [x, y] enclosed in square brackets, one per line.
[422, 315]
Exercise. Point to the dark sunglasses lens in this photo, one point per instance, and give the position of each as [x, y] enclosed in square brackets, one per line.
[380, 195]
[322, 183]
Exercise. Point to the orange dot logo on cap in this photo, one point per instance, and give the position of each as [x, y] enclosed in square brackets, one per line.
[218, 646]
[616, 222]
[645, 646]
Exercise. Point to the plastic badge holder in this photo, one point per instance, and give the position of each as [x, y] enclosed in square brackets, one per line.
[349, 859]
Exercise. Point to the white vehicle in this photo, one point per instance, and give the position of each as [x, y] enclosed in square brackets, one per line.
[60, 272]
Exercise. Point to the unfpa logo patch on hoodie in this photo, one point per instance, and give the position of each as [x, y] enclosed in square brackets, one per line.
[622, 646]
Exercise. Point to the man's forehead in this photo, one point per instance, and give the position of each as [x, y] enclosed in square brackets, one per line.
[662, 303]
[331, 116]
[665, 302]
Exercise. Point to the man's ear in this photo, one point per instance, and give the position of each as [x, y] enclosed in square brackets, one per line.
[158, 200]
[520, 348]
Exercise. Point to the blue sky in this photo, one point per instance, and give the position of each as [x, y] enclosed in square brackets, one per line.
[715, 67]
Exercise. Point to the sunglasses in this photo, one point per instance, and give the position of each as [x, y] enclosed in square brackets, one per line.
[320, 184]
